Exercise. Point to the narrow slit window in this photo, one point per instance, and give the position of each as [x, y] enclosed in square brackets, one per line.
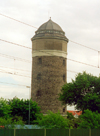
[64, 63]
[39, 76]
[64, 77]
[38, 93]
[64, 109]
[39, 60]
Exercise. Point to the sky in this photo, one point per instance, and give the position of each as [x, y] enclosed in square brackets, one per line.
[80, 20]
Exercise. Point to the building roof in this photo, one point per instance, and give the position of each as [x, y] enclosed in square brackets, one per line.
[50, 25]
[75, 112]
[50, 30]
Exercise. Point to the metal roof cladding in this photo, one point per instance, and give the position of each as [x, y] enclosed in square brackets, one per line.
[50, 25]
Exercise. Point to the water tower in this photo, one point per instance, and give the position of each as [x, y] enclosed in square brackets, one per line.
[49, 53]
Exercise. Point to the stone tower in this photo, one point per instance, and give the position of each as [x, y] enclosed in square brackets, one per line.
[49, 52]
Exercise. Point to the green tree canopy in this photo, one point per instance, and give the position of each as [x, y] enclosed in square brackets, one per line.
[5, 109]
[21, 108]
[83, 92]
[89, 120]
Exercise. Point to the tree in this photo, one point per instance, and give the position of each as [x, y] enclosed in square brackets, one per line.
[83, 92]
[90, 101]
[53, 120]
[5, 109]
[21, 108]
[89, 120]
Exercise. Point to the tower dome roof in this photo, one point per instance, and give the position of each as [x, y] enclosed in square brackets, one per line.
[50, 30]
[50, 25]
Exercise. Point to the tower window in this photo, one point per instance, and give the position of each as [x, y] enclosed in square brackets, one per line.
[64, 63]
[64, 77]
[39, 76]
[38, 93]
[39, 60]
[64, 109]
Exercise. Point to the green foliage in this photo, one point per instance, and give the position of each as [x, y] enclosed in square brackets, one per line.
[10, 123]
[74, 123]
[70, 116]
[90, 120]
[83, 92]
[17, 119]
[5, 109]
[4, 121]
[90, 101]
[21, 108]
[53, 120]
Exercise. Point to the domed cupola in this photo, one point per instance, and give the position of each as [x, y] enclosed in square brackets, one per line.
[50, 29]
[50, 25]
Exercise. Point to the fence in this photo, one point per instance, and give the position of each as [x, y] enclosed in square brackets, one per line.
[49, 132]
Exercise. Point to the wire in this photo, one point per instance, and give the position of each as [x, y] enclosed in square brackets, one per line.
[28, 85]
[71, 59]
[82, 63]
[15, 69]
[31, 48]
[12, 57]
[66, 70]
[20, 59]
[17, 20]
[83, 45]
[72, 71]
[15, 44]
[42, 51]
[47, 53]
[13, 84]
[37, 28]
[13, 73]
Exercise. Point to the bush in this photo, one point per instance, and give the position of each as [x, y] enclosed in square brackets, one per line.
[53, 120]
[74, 123]
[10, 123]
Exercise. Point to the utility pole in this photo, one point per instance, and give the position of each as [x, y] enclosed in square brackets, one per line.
[29, 105]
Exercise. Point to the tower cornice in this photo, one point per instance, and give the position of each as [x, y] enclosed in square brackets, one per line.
[50, 37]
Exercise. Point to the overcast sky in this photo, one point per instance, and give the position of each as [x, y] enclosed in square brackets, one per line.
[79, 19]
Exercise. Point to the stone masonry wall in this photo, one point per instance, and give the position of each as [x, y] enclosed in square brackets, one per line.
[48, 76]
